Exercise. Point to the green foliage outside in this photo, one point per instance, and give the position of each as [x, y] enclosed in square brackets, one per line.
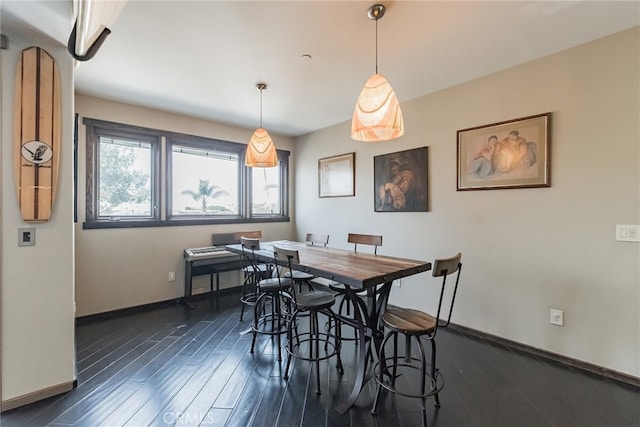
[120, 183]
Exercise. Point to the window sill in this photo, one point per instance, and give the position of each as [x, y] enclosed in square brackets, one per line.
[91, 225]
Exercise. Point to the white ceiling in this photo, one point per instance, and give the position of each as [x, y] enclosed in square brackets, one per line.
[204, 58]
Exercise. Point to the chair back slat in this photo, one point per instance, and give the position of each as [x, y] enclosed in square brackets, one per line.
[290, 256]
[249, 243]
[446, 266]
[250, 234]
[365, 239]
[317, 239]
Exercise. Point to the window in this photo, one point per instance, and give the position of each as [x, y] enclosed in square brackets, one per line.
[122, 174]
[266, 191]
[124, 178]
[200, 181]
[205, 182]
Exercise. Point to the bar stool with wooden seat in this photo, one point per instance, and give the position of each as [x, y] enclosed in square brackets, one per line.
[272, 291]
[313, 303]
[416, 326]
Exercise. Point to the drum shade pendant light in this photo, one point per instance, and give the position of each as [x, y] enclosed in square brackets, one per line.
[377, 116]
[261, 152]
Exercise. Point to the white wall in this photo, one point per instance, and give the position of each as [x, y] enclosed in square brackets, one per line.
[37, 283]
[524, 250]
[119, 268]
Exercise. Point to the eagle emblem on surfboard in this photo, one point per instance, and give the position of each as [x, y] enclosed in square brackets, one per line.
[37, 152]
[36, 130]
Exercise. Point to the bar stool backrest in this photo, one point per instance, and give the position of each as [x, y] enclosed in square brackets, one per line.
[250, 244]
[249, 247]
[289, 257]
[317, 239]
[365, 239]
[445, 267]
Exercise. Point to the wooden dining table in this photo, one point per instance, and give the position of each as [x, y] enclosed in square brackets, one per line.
[359, 271]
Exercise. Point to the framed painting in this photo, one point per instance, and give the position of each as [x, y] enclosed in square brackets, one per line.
[510, 154]
[400, 181]
[336, 176]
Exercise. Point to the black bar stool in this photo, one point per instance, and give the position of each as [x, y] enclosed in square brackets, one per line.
[311, 302]
[272, 290]
[254, 272]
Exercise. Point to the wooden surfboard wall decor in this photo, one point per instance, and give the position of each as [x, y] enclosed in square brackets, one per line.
[37, 132]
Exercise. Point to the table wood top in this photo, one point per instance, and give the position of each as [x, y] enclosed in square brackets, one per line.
[359, 270]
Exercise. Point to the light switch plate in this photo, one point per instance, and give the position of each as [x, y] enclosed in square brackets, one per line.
[627, 233]
[27, 236]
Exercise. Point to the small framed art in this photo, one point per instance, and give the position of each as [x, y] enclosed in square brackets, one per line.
[336, 176]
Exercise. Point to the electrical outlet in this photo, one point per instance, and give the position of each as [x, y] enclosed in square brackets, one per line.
[172, 276]
[556, 317]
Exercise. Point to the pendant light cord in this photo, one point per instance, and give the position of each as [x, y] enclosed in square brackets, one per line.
[376, 46]
[261, 107]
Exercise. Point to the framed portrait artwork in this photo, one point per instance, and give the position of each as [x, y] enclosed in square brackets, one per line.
[510, 154]
[336, 176]
[400, 181]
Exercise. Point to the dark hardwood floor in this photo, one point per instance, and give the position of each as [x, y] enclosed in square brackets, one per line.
[176, 366]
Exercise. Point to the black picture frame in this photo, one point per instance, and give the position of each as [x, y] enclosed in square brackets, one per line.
[401, 181]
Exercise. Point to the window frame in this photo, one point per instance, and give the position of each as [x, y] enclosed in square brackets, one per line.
[201, 144]
[284, 183]
[95, 129]
[162, 178]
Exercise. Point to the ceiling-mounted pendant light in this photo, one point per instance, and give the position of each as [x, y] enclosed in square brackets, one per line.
[261, 152]
[377, 116]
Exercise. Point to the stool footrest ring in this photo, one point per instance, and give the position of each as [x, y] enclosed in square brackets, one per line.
[437, 383]
[294, 348]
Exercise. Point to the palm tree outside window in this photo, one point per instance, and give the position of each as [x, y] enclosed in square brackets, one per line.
[205, 193]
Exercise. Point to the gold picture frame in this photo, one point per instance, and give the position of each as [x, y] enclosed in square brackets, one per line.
[336, 176]
[510, 154]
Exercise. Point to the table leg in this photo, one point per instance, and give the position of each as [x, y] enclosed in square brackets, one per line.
[369, 330]
[362, 360]
[381, 304]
